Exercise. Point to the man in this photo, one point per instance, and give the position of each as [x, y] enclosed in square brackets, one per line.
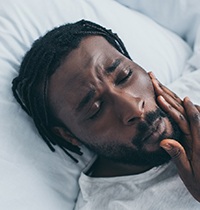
[80, 86]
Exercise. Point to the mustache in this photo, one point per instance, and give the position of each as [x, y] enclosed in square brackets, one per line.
[149, 119]
[145, 125]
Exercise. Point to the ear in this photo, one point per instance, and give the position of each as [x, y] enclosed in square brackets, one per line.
[66, 134]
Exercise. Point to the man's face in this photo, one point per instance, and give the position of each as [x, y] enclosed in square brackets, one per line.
[107, 101]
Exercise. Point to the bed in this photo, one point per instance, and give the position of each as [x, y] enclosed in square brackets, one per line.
[31, 176]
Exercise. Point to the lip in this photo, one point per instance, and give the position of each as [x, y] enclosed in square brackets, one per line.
[155, 130]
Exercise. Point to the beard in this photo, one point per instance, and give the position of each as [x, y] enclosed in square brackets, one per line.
[139, 156]
[159, 156]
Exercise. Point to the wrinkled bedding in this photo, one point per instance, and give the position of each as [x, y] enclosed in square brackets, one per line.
[32, 177]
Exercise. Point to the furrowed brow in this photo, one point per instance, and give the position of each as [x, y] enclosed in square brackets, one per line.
[114, 65]
[86, 99]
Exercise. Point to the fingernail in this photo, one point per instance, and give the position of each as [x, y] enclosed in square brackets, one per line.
[187, 98]
[152, 75]
[161, 98]
[167, 146]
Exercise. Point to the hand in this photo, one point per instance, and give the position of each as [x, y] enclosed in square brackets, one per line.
[173, 105]
[187, 156]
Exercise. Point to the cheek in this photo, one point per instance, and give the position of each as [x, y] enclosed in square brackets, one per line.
[101, 131]
[149, 87]
[145, 82]
[111, 133]
[141, 86]
[106, 132]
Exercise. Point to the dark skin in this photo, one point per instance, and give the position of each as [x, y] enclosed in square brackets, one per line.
[187, 115]
[87, 93]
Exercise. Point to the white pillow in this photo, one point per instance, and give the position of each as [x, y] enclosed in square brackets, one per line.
[32, 177]
[179, 16]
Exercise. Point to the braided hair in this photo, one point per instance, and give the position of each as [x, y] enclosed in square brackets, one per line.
[40, 62]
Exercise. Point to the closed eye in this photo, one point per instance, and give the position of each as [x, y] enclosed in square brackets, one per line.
[123, 76]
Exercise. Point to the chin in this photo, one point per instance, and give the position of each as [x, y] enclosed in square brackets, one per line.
[154, 158]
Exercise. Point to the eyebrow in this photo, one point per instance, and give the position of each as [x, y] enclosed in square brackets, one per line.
[90, 95]
[113, 66]
[86, 99]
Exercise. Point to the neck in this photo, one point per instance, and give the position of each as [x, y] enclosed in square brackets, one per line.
[107, 168]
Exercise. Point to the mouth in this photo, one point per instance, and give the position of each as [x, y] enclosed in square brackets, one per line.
[155, 130]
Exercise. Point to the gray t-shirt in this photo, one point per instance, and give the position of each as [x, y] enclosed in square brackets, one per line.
[157, 189]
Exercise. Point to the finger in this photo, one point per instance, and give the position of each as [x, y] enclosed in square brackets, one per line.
[161, 89]
[198, 107]
[179, 157]
[187, 170]
[183, 124]
[194, 119]
[179, 118]
[169, 96]
[172, 103]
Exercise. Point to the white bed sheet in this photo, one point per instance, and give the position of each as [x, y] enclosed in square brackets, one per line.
[32, 177]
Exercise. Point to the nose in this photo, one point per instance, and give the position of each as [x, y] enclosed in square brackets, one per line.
[128, 108]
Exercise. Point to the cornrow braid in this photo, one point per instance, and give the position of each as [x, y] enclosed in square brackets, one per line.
[40, 62]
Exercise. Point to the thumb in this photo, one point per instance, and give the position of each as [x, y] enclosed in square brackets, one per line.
[177, 153]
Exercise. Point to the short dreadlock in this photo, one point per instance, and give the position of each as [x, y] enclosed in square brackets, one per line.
[40, 62]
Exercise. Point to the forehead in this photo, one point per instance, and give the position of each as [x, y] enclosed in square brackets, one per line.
[92, 52]
[75, 75]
